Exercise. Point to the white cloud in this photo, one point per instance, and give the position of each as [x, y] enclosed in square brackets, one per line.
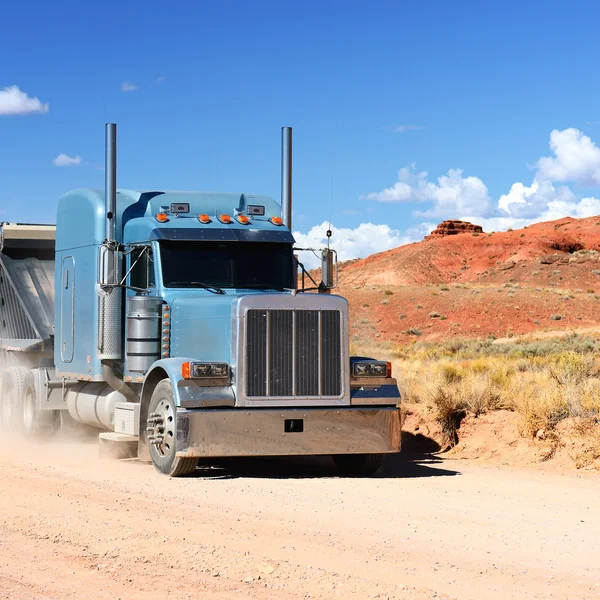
[362, 241]
[404, 128]
[452, 193]
[160, 79]
[64, 160]
[15, 102]
[576, 158]
[126, 86]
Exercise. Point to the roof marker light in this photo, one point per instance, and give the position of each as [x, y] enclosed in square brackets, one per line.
[276, 220]
[225, 219]
[243, 219]
[204, 219]
[161, 217]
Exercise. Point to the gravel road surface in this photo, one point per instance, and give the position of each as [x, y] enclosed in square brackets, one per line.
[74, 526]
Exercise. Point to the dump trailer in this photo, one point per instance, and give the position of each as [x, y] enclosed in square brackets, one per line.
[174, 323]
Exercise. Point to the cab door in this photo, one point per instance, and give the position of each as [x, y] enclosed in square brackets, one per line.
[67, 314]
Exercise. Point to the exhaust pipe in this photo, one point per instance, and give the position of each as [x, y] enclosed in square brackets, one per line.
[286, 176]
[109, 260]
[110, 182]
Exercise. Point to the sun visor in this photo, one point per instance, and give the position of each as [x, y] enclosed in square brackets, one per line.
[221, 234]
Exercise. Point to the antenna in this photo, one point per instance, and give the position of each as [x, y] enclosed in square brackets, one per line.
[328, 234]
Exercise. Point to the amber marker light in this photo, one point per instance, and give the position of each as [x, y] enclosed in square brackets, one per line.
[204, 219]
[225, 219]
[185, 370]
[389, 369]
[276, 220]
[243, 219]
[162, 217]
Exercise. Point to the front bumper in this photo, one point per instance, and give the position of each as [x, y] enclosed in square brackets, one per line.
[287, 432]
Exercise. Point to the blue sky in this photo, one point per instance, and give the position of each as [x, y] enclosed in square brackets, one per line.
[369, 88]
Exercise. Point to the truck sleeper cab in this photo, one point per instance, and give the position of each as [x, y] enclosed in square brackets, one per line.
[179, 331]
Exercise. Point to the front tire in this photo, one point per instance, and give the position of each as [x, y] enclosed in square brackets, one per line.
[162, 431]
[358, 464]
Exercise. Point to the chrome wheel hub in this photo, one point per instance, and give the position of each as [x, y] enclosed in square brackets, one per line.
[161, 428]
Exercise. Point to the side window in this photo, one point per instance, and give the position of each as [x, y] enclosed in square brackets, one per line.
[142, 268]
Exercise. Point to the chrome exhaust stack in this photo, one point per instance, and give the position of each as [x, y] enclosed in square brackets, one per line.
[110, 181]
[110, 318]
[286, 176]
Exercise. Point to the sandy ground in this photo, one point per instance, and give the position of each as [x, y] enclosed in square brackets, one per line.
[73, 526]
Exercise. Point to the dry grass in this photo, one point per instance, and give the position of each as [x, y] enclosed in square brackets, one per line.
[544, 382]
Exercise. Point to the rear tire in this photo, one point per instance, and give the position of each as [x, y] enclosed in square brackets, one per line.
[11, 392]
[162, 431]
[358, 464]
[34, 422]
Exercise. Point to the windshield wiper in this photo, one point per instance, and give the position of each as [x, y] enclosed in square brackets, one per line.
[211, 288]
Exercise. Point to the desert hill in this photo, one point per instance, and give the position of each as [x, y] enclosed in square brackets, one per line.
[544, 277]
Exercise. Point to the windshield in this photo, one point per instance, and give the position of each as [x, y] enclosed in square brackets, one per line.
[226, 264]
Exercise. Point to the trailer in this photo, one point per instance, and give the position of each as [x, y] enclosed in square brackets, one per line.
[173, 322]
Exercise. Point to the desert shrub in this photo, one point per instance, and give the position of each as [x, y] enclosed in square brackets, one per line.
[414, 331]
[502, 375]
[540, 403]
[479, 394]
[589, 398]
[384, 301]
[444, 288]
[434, 315]
[448, 407]
[452, 373]
[388, 293]
[573, 368]
[556, 317]
[481, 365]
[522, 365]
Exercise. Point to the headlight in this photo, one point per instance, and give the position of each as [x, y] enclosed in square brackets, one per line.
[372, 368]
[197, 370]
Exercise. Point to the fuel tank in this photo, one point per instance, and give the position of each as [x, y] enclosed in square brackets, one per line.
[94, 404]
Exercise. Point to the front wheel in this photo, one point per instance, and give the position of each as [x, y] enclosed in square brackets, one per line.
[358, 464]
[162, 429]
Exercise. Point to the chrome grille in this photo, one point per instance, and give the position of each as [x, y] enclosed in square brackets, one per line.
[292, 353]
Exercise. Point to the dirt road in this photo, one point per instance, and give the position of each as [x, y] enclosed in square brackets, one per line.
[72, 526]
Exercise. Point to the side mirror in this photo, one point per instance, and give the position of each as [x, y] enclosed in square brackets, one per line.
[328, 269]
[108, 267]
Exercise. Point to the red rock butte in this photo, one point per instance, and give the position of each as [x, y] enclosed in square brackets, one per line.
[454, 227]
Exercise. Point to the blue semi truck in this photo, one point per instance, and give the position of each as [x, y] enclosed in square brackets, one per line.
[173, 322]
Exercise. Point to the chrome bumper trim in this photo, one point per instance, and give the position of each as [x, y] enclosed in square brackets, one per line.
[193, 394]
[261, 432]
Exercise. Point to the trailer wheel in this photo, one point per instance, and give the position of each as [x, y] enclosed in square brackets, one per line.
[162, 428]
[11, 391]
[358, 464]
[34, 422]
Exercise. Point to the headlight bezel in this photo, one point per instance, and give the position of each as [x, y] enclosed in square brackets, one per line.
[204, 370]
[371, 368]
